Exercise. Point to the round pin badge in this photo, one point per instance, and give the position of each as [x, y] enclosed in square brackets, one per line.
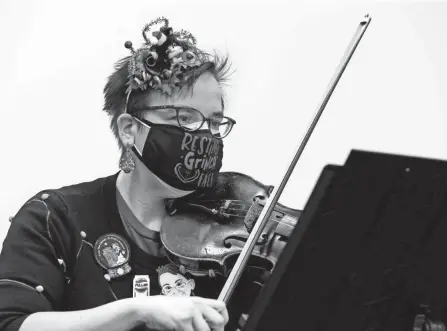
[112, 252]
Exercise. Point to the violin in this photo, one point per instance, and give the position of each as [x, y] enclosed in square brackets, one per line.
[206, 232]
[239, 223]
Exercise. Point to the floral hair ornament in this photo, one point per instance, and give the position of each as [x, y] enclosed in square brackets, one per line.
[163, 60]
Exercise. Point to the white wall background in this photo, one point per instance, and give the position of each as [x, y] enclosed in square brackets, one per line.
[56, 55]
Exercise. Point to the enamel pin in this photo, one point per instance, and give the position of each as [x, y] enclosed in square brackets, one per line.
[141, 286]
[112, 252]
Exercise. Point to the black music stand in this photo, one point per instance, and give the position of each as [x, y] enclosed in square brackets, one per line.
[369, 252]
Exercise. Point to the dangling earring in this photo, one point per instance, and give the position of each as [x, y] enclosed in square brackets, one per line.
[127, 163]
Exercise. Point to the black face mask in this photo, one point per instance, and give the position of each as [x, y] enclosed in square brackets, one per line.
[187, 161]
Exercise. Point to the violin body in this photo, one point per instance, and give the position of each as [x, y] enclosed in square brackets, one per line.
[206, 232]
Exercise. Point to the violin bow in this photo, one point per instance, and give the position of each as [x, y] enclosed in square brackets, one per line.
[241, 262]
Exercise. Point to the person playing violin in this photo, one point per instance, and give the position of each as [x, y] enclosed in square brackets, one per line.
[71, 254]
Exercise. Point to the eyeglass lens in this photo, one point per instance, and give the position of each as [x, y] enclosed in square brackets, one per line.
[190, 120]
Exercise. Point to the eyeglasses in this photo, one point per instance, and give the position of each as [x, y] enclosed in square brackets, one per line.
[189, 119]
[179, 285]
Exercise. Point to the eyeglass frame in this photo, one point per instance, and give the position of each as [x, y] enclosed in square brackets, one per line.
[178, 287]
[177, 109]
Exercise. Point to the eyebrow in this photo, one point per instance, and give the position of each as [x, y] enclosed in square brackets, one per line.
[217, 112]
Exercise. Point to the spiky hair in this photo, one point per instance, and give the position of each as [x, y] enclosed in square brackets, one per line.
[172, 269]
[115, 89]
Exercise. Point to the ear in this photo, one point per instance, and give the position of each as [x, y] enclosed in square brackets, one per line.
[127, 129]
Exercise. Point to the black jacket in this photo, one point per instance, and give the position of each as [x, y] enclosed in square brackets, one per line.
[48, 264]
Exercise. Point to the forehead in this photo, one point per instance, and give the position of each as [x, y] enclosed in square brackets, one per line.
[168, 278]
[205, 95]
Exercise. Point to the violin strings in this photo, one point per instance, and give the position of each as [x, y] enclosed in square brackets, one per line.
[245, 208]
[270, 219]
[235, 209]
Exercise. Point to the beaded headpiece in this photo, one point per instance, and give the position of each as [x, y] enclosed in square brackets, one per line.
[163, 60]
